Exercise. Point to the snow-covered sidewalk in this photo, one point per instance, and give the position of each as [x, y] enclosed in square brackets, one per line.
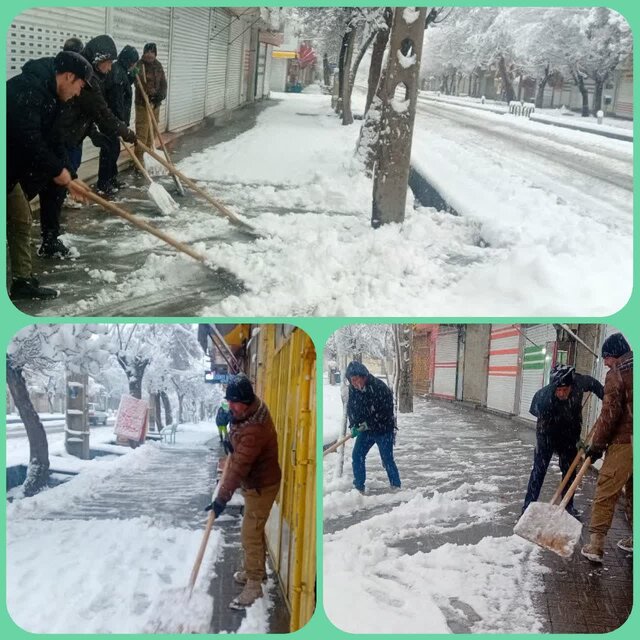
[439, 555]
[111, 550]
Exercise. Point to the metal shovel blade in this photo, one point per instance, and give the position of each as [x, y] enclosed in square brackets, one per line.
[162, 199]
[549, 526]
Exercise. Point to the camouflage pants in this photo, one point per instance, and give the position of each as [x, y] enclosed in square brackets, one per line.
[257, 506]
[144, 129]
[19, 233]
[615, 475]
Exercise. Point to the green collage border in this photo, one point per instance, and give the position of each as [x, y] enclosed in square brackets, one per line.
[319, 329]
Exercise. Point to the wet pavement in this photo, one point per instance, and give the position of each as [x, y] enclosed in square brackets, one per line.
[443, 446]
[106, 250]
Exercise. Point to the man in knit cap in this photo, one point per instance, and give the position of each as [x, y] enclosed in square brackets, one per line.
[613, 433]
[253, 466]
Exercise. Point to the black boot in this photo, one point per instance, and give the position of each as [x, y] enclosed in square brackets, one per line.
[52, 247]
[30, 289]
[118, 184]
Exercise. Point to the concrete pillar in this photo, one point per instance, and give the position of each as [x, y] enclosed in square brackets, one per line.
[476, 363]
[76, 439]
[391, 174]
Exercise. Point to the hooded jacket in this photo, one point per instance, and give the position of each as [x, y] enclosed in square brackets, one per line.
[89, 108]
[254, 461]
[373, 405]
[615, 422]
[562, 419]
[118, 91]
[223, 417]
[35, 157]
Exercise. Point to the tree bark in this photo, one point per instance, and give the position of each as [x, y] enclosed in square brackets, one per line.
[507, 85]
[347, 116]
[377, 55]
[156, 401]
[341, 69]
[38, 470]
[134, 369]
[541, 87]
[166, 403]
[597, 93]
[181, 408]
[579, 80]
[404, 338]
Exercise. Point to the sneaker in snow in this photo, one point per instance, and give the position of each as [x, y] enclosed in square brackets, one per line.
[251, 592]
[241, 577]
[53, 248]
[30, 289]
[626, 544]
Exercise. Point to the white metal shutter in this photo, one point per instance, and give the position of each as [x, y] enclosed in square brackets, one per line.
[624, 96]
[446, 361]
[188, 78]
[503, 367]
[217, 67]
[261, 68]
[267, 71]
[536, 363]
[234, 64]
[136, 26]
[37, 33]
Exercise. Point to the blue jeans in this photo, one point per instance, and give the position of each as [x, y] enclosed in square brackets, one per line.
[75, 156]
[363, 444]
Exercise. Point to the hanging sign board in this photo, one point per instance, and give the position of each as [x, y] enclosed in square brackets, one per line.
[131, 421]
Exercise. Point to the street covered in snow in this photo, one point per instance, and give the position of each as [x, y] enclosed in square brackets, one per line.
[439, 555]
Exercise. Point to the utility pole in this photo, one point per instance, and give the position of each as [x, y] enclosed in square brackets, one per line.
[76, 432]
[399, 96]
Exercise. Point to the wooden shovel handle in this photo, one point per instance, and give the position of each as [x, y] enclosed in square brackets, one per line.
[137, 162]
[336, 445]
[217, 204]
[576, 483]
[201, 550]
[82, 190]
[152, 119]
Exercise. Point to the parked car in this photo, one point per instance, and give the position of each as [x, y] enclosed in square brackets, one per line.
[96, 416]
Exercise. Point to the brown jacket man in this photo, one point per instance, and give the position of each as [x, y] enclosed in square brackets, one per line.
[613, 432]
[253, 466]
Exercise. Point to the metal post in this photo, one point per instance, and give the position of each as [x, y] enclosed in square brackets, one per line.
[76, 439]
[399, 94]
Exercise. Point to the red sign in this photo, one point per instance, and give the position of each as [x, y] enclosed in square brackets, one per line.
[306, 55]
[131, 421]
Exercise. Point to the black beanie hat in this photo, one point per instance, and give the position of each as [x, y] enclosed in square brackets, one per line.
[562, 375]
[615, 346]
[128, 55]
[240, 389]
[150, 46]
[70, 62]
[356, 369]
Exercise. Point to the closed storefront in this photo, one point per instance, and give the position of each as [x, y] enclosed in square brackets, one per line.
[537, 359]
[504, 353]
[187, 82]
[217, 65]
[446, 363]
[234, 64]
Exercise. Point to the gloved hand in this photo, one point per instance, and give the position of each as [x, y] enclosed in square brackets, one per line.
[593, 452]
[97, 138]
[216, 506]
[358, 429]
[129, 137]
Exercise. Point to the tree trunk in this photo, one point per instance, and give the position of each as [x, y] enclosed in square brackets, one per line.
[181, 408]
[341, 69]
[541, 87]
[203, 414]
[156, 400]
[153, 425]
[579, 80]
[134, 369]
[507, 85]
[597, 93]
[377, 55]
[352, 75]
[347, 116]
[166, 403]
[404, 352]
[38, 471]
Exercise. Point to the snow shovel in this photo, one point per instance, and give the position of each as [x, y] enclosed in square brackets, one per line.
[156, 131]
[157, 193]
[336, 445]
[83, 190]
[191, 184]
[549, 525]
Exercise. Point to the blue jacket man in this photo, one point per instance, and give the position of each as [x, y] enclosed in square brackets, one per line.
[372, 421]
[558, 408]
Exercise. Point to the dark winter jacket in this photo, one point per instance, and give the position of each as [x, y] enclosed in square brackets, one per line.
[562, 419]
[373, 405]
[615, 422]
[254, 461]
[118, 91]
[89, 108]
[223, 417]
[34, 156]
[153, 80]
